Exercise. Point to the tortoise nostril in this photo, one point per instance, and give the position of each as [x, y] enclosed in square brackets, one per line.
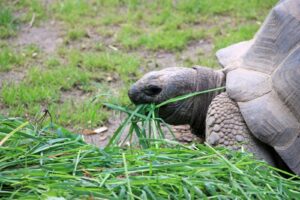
[152, 90]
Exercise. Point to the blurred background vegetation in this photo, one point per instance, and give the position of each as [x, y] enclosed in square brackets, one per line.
[70, 56]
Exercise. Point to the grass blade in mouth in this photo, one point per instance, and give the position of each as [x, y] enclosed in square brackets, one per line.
[116, 137]
[125, 110]
[145, 124]
[186, 96]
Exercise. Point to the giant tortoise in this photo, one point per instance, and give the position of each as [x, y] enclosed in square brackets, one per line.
[260, 109]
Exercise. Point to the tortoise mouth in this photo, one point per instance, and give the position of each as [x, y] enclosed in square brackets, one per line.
[175, 113]
[166, 114]
[147, 95]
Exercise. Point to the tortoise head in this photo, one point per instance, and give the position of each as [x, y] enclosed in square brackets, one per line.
[159, 86]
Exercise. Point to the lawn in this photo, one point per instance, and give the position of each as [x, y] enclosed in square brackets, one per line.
[71, 56]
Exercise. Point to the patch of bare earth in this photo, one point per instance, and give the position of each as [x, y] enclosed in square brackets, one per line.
[74, 95]
[13, 76]
[47, 36]
[160, 60]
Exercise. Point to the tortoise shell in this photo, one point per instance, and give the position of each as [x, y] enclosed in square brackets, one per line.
[263, 77]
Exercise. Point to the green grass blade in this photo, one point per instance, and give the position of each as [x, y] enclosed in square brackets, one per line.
[127, 177]
[186, 96]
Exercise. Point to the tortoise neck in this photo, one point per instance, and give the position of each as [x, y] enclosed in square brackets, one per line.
[206, 79]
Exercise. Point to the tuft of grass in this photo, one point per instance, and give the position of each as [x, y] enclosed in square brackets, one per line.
[52, 62]
[9, 58]
[60, 78]
[111, 18]
[169, 39]
[76, 114]
[123, 64]
[72, 11]
[21, 94]
[75, 34]
[247, 9]
[53, 163]
[7, 23]
[234, 35]
[42, 85]
[35, 11]
[128, 36]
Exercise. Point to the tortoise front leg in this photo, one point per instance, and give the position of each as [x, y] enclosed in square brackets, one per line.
[226, 127]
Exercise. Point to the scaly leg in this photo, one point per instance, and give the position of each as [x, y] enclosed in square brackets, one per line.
[226, 127]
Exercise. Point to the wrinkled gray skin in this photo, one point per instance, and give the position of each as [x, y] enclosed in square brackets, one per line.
[158, 86]
[213, 115]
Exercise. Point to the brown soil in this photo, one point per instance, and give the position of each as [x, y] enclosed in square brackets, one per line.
[47, 37]
[160, 60]
[13, 76]
[74, 95]
[195, 49]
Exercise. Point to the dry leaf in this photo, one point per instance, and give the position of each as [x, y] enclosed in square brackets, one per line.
[96, 131]
[88, 132]
[101, 129]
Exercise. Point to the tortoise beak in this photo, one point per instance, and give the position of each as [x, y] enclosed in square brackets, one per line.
[133, 94]
[145, 94]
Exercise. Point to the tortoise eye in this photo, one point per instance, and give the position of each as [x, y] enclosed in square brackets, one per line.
[152, 90]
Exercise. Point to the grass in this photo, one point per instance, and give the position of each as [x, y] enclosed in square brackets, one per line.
[243, 32]
[24, 11]
[72, 11]
[51, 162]
[13, 58]
[109, 40]
[75, 34]
[48, 86]
[168, 40]
[123, 64]
[7, 23]
[42, 85]
[88, 113]
[9, 59]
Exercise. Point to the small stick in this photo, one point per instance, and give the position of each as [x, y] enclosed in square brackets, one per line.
[32, 20]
